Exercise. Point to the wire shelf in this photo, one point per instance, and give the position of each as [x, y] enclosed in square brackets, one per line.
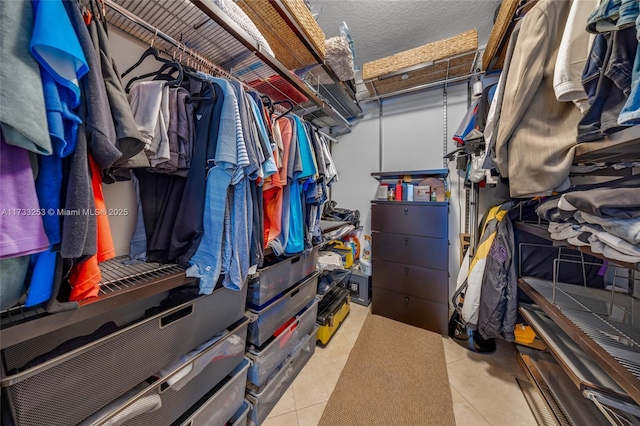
[203, 30]
[613, 339]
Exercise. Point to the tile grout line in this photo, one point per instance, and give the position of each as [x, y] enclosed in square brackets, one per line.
[468, 402]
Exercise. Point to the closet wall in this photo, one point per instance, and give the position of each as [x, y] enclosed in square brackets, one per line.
[406, 136]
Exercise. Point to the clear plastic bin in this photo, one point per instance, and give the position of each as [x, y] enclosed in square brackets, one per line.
[263, 399]
[277, 313]
[220, 403]
[277, 278]
[240, 417]
[267, 359]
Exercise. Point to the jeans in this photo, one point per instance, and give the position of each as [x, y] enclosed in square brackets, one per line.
[614, 86]
[138, 244]
[629, 10]
[604, 17]
[206, 263]
[593, 66]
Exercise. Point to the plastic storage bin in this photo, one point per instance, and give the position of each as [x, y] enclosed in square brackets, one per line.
[277, 278]
[180, 387]
[220, 404]
[267, 359]
[240, 417]
[263, 399]
[276, 314]
[70, 387]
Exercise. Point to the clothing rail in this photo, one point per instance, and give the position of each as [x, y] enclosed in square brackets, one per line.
[213, 14]
[182, 48]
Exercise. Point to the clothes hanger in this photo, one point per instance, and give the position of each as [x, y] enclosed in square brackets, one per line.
[287, 102]
[151, 51]
[176, 66]
[266, 101]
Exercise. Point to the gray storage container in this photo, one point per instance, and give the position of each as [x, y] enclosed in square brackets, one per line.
[204, 371]
[277, 278]
[263, 399]
[276, 314]
[68, 388]
[240, 417]
[221, 403]
[266, 360]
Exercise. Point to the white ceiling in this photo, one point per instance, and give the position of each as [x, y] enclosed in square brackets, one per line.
[385, 27]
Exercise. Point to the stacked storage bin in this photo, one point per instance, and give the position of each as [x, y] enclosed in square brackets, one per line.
[282, 335]
[158, 366]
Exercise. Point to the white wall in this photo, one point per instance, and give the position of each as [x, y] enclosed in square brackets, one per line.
[412, 139]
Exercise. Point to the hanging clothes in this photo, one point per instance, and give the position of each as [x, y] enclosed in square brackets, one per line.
[63, 65]
[129, 140]
[23, 116]
[188, 228]
[85, 277]
[530, 109]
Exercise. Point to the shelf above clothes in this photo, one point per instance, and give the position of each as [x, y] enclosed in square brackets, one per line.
[612, 341]
[622, 146]
[201, 29]
[121, 285]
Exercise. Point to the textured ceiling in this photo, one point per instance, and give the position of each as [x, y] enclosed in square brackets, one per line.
[385, 27]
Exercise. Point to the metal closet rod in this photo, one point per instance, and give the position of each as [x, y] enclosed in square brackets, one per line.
[180, 46]
[159, 34]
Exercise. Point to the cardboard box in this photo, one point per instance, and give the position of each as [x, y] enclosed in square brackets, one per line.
[422, 193]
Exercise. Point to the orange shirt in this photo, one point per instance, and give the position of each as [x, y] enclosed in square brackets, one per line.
[85, 277]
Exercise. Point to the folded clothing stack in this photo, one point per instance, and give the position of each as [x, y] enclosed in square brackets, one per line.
[606, 219]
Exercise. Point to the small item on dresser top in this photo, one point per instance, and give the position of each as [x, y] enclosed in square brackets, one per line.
[437, 185]
[405, 191]
[383, 191]
[422, 193]
[410, 189]
[391, 195]
[434, 197]
[399, 191]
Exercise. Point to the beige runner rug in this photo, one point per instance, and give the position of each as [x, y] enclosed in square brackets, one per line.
[396, 374]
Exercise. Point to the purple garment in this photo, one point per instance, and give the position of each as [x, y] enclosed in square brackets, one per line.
[21, 228]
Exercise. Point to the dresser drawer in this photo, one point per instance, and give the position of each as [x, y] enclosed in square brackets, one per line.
[411, 310]
[430, 284]
[409, 249]
[426, 221]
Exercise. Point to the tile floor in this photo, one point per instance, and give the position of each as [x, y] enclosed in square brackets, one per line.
[483, 387]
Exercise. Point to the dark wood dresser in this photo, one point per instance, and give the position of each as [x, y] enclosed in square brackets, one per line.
[410, 250]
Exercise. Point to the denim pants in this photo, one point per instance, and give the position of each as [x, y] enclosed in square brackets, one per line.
[613, 15]
[630, 114]
[206, 263]
[614, 86]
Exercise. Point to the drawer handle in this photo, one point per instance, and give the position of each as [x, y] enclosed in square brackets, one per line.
[294, 293]
[406, 299]
[406, 270]
[406, 240]
[406, 210]
[296, 260]
[175, 316]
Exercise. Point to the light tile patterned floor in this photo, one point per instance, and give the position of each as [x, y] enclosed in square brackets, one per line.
[483, 387]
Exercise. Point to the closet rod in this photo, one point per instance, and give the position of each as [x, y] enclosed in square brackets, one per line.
[157, 33]
[182, 47]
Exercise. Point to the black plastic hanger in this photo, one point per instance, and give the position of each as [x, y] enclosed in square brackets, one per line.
[176, 65]
[195, 76]
[287, 102]
[151, 51]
